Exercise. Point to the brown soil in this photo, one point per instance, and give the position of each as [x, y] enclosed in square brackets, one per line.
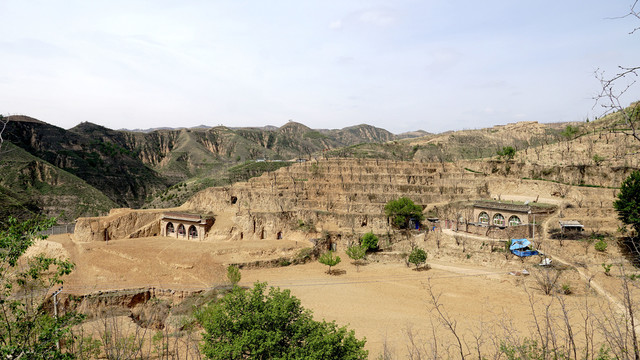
[381, 301]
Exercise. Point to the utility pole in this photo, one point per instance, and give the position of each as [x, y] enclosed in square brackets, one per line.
[55, 311]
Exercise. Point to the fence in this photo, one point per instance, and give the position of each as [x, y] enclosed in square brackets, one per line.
[60, 229]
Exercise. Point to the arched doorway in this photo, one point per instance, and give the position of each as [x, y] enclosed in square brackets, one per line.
[193, 232]
[181, 231]
[170, 229]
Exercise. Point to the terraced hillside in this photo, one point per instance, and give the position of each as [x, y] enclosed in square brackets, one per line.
[346, 197]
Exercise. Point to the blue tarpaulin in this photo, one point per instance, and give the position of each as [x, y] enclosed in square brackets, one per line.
[520, 247]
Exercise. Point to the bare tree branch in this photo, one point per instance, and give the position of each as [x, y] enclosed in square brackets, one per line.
[613, 88]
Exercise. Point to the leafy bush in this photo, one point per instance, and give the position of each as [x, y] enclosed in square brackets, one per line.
[601, 246]
[369, 241]
[254, 324]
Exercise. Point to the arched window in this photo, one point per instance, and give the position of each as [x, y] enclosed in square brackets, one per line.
[170, 229]
[193, 232]
[498, 220]
[181, 230]
[483, 218]
[514, 221]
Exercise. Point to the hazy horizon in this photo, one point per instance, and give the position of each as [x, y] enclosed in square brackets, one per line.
[398, 65]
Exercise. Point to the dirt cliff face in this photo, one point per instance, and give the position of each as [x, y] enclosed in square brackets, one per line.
[119, 224]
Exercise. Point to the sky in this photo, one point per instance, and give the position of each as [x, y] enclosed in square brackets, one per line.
[401, 65]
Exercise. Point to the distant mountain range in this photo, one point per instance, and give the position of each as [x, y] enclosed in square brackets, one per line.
[405, 135]
[89, 169]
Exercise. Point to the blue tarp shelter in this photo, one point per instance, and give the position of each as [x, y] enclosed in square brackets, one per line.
[520, 247]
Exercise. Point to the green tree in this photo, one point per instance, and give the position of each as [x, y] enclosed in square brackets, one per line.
[507, 152]
[27, 330]
[401, 211]
[417, 257]
[628, 203]
[233, 274]
[569, 132]
[329, 260]
[369, 241]
[253, 324]
[356, 253]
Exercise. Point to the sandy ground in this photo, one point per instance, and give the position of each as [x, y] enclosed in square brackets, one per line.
[385, 300]
[380, 301]
[158, 261]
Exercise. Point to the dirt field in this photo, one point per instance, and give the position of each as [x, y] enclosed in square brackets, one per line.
[382, 301]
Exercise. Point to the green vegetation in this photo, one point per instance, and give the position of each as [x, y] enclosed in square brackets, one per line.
[306, 226]
[507, 152]
[315, 135]
[474, 171]
[233, 275]
[249, 169]
[628, 203]
[401, 212]
[569, 132]
[607, 268]
[26, 329]
[356, 253]
[369, 241]
[30, 184]
[417, 257]
[597, 159]
[329, 260]
[254, 324]
[601, 245]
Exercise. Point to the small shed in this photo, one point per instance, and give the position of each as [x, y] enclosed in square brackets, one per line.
[570, 226]
[522, 247]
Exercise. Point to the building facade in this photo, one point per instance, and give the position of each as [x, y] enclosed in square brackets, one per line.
[185, 226]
